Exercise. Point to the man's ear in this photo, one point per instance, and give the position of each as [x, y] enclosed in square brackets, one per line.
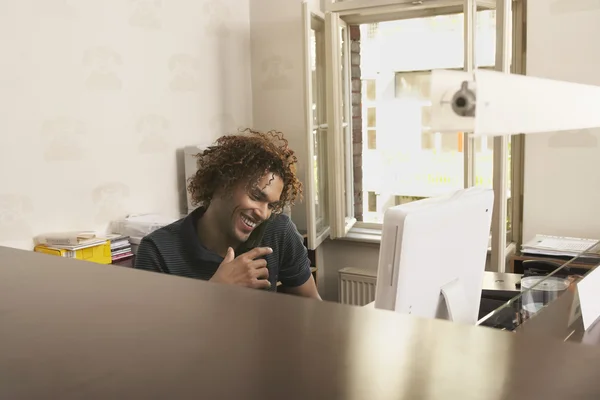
[218, 195]
[214, 198]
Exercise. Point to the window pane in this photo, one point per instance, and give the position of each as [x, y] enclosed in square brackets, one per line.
[406, 199]
[320, 167]
[484, 169]
[372, 139]
[345, 84]
[372, 203]
[403, 159]
[509, 189]
[319, 119]
[418, 163]
[371, 89]
[428, 140]
[371, 117]
[347, 103]
[315, 83]
[484, 161]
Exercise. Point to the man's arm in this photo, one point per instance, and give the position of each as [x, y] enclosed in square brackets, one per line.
[294, 272]
[307, 289]
[148, 257]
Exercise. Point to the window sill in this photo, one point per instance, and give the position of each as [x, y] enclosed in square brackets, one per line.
[373, 235]
[364, 235]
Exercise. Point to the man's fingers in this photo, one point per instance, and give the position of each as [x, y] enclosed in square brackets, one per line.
[258, 252]
[261, 273]
[262, 284]
[255, 264]
[230, 256]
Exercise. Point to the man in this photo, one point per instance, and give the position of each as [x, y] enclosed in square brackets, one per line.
[238, 235]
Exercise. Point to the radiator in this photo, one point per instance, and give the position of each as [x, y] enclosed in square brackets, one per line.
[357, 286]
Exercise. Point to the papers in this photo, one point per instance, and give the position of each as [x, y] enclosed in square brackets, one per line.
[138, 226]
[559, 246]
[69, 240]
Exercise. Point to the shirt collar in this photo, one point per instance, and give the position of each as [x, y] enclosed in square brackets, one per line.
[189, 232]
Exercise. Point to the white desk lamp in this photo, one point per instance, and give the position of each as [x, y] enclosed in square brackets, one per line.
[491, 103]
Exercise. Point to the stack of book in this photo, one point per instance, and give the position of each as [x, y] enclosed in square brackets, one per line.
[120, 248]
[80, 245]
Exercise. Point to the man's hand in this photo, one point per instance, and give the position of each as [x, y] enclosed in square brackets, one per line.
[244, 270]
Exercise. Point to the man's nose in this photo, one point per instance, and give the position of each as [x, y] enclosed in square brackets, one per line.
[263, 211]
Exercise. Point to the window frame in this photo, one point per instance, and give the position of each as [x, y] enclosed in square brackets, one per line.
[517, 147]
[500, 178]
[370, 11]
[314, 236]
[341, 181]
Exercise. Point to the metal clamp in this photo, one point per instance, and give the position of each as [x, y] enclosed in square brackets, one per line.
[463, 101]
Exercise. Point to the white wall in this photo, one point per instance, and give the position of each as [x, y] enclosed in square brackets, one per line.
[338, 254]
[278, 78]
[562, 185]
[96, 98]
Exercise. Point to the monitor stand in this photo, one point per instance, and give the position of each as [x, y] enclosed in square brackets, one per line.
[454, 307]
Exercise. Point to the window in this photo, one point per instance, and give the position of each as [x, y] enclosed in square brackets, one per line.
[372, 31]
[368, 98]
[410, 160]
[317, 128]
[372, 202]
[406, 199]
[389, 154]
[340, 145]
[371, 117]
[372, 139]
[370, 90]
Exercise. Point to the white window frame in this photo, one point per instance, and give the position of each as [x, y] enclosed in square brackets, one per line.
[341, 183]
[314, 236]
[369, 11]
[500, 212]
[351, 5]
[366, 11]
[518, 66]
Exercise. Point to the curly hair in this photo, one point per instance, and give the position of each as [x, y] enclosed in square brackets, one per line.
[245, 157]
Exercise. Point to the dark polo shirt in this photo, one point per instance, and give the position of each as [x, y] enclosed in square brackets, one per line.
[175, 249]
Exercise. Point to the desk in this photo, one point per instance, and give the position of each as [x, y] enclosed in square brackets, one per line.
[497, 289]
[579, 266]
[500, 285]
[76, 330]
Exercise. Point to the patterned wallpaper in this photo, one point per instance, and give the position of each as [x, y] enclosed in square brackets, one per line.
[99, 96]
[278, 78]
[561, 188]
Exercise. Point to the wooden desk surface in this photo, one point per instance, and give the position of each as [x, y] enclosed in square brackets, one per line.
[76, 330]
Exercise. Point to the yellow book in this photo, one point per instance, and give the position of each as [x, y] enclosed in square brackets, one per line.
[99, 254]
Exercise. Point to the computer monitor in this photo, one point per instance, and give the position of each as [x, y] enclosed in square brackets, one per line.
[433, 254]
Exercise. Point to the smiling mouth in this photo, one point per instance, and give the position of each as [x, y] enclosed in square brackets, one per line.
[249, 221]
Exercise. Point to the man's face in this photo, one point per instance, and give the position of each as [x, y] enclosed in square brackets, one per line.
[244, 210]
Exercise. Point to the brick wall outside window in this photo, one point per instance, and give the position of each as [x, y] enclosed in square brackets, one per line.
[356, 120]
